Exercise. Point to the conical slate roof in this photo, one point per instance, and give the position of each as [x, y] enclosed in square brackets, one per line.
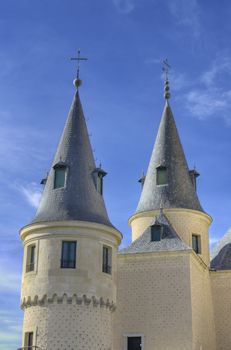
[221, 255]
[170, 241]
[168, 152]
[79, 198]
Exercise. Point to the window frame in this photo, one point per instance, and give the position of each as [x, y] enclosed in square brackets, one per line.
[158, 169]
[28, 346]
[62, 265]
[99, 185]
[196, 249]
[56, 170]
[152, 233]
[128, 335]
[29, 263]
[106, 267]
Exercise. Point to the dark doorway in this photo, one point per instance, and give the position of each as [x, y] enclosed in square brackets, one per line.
[134, 343]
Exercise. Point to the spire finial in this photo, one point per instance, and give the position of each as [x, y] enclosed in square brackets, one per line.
[77, 82]
[166, 67]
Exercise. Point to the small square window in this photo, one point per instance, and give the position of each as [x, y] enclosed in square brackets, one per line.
[156, 231]
[30, 258]
[107, 260]
[68, 260]
[196, 243]
[161, 175]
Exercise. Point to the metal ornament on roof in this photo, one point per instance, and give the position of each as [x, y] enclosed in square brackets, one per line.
[166, 67]
[78, 82]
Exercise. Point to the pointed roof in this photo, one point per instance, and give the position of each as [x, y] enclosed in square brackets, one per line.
[170, 241]
[221, 255]
[168, 152]
[79, 199]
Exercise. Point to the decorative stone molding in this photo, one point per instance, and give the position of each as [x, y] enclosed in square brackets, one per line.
[79, 300]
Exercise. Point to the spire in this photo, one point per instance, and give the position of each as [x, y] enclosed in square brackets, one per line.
[71, 191]
[168, 183]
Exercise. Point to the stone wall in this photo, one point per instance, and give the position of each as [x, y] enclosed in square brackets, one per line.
[185, 222]
[64, 326]
[154, 299]
[202, 308]
[221, 292]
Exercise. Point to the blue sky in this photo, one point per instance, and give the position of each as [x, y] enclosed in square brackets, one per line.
[122, 96]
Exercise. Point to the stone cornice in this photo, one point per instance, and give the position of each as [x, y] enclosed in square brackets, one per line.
[79, 225]
[65, 299]
[152, 213]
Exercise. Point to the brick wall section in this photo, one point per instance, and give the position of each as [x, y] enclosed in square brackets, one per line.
[202, 308]
[153, 298]
[70, 326]
[221, 291]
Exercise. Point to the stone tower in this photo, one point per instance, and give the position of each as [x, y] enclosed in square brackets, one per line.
[70, 251]
[164, 297]
[169, 184]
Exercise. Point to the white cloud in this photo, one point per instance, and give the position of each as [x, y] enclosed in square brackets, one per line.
[32, 193]
[220, 66]
[124, 6]
[210, 97]
[186, 13]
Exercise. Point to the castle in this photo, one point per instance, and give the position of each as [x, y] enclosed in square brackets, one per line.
[159, 293]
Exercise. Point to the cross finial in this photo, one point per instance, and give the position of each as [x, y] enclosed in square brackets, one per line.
[77, 82]
[166, 67]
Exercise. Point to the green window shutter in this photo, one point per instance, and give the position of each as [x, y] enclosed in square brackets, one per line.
[161, 176]
[60, 175]
[156, 233]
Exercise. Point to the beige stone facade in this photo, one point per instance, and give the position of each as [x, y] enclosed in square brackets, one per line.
[147, 294]
[157, 294]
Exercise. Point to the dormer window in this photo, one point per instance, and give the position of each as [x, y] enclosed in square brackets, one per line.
[60, 175]
[156, 231]
[99, 174]
[161, 175]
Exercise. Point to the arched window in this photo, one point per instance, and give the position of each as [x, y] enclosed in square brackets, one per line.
[161, 175]
[60, 175]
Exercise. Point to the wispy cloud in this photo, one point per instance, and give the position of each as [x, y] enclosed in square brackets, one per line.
[32, 193]
[186, 13]
[210, 95]
[124, 6]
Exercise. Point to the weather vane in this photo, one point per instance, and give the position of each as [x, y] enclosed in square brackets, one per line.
[166, 68]
[77, 82]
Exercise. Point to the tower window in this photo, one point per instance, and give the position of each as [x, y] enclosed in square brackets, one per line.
[196, 243]
[98, 175]
[30, 263]
[107, 260]
[156, 231]
[68, 260]
[28, 342]
[60, 174]
[161, 175]
[99, 184]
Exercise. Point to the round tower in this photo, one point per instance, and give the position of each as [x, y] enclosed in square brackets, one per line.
[170, 186]
[70, 252]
